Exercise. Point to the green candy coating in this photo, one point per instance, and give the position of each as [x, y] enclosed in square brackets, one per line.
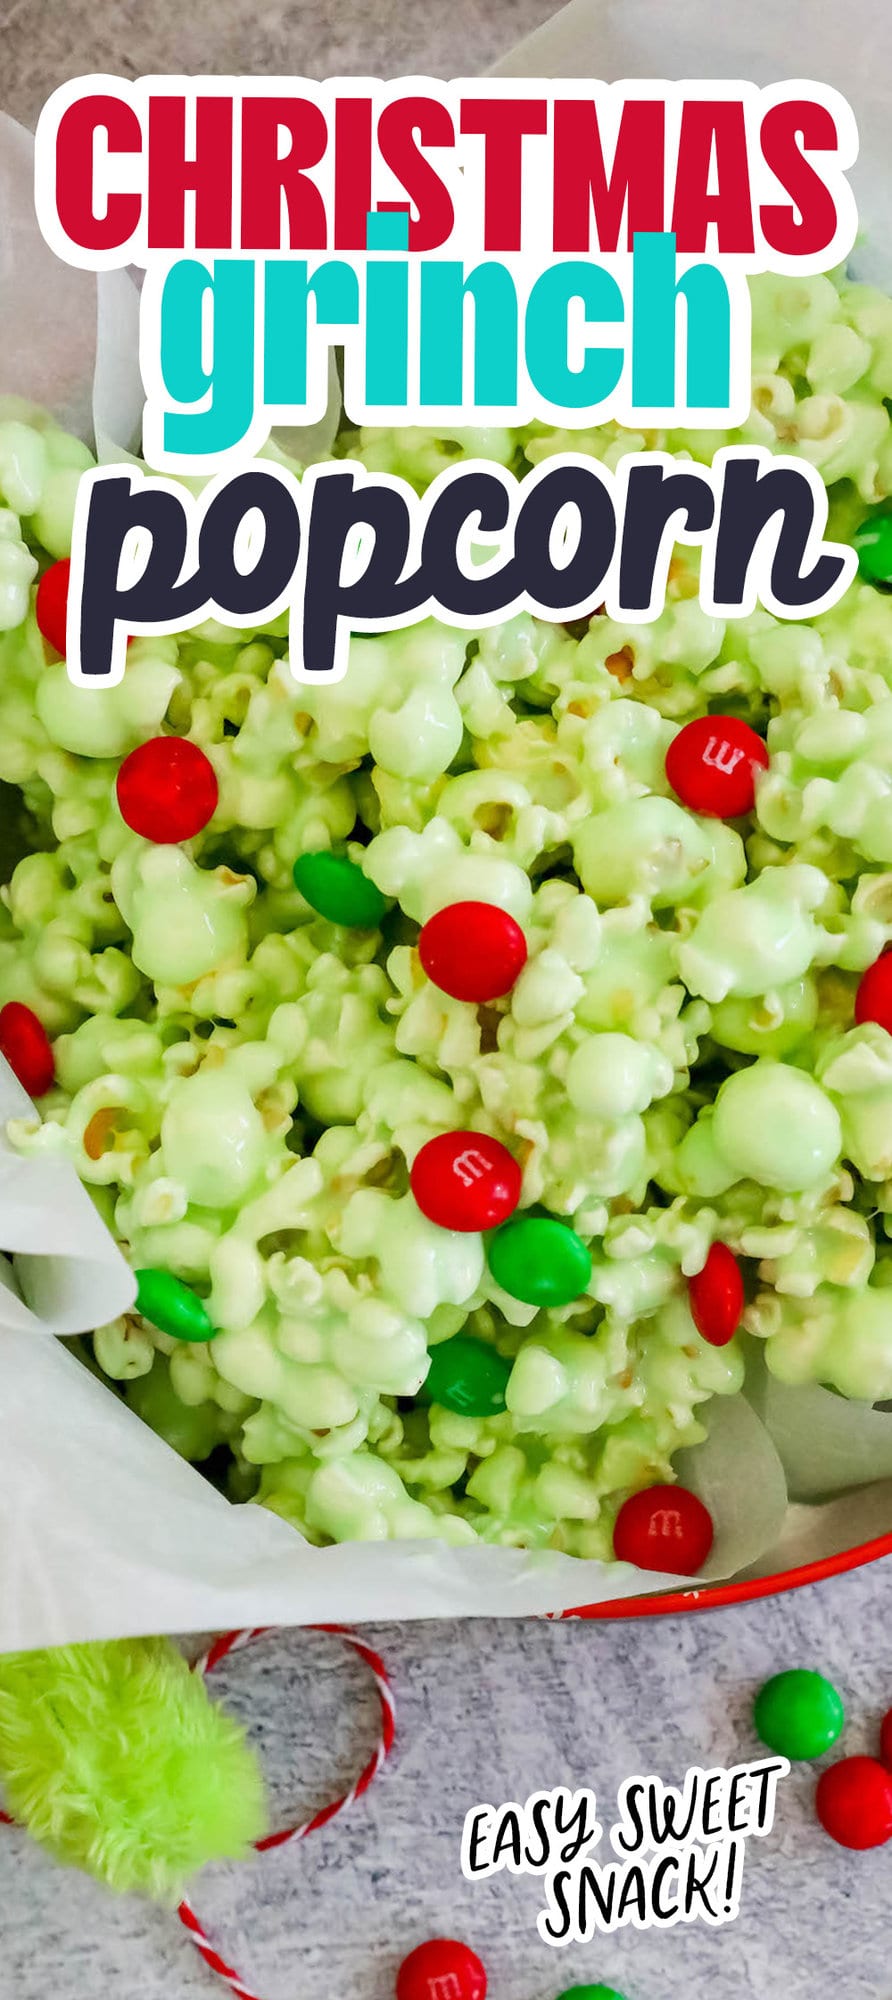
[468, 1376]
[338, 889]
[873, 541]
[773, 1124]
[798, 1714]
[191, 1429]
[539, 1260]
[590, 1993]
[172, 1306]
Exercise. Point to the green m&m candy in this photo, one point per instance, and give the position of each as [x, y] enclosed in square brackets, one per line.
[873, 541]
[172, 1306]
[338, 889]
[539, 1260]
[468, 1376]
[798, 1713]
[590, 1993]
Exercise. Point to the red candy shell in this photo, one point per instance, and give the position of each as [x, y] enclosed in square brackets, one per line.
[26, 1045]
[715, 1295]
[167, 789]
[473, 951]
[854, 1802]
[873, 1000]
[442, 1969]
[665, 1527]
[712, 763]
[464, 1180]
[51, 604]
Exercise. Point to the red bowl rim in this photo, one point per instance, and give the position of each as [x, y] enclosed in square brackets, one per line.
[712, 1596]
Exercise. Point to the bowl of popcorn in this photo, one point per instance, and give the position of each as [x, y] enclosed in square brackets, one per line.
[484, 1063]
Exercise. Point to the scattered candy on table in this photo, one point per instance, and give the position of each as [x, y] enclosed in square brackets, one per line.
[712, 763]
[337, 888]
[465, 1180]
[853, 1802]
[172, 1306]
[873, 541]
[873, 999]
[26, 1045]
[540, 1260]
[663, 1527]
[473, 951]
[466, 1375]
[51, 604]
[715, 1295]
[167, 790]
[442, 1969]
[798, 1713]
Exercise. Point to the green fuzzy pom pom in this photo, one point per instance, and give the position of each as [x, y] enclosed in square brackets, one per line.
[116, 1760]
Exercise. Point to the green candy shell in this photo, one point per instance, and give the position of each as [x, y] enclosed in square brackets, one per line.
[590, 1993]
[337, 888]
[798, 1714]
[468, 1376]
[873, 541]
[172, 1306]
[539, 1260]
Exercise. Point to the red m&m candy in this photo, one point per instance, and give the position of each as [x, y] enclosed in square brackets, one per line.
[665, 1527]
[886, 1739]
[473, 951]
[712, 763]
[463, 1180]
[854, 1802]
[442, 1969]
[26, 1045]
[873, 1000]
[167, 789]
[51, 604]
[715, 1295]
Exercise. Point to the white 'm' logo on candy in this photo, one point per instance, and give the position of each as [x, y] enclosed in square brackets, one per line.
[666, 1522]
[444, 1986]
[469, 1167]
[726, 758]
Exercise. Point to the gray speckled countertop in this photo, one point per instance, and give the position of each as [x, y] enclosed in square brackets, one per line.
[486, 1710]
[495, 1710]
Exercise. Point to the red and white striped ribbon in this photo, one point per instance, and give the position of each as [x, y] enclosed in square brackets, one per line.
[233, 1642]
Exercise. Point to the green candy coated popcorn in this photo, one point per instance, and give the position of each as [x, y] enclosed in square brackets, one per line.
[770, 1024]
[247, 1063]
[651, 848]
[750, 940]
[774, 1125]
[213, 1138]
[193, 1432]
[612, 1075]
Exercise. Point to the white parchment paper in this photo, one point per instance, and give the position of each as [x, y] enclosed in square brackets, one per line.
[103, 1530]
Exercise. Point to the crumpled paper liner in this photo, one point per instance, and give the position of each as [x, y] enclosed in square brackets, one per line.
[104, 1530]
